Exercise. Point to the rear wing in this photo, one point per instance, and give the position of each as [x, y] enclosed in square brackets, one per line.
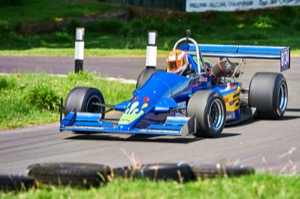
[249, 52]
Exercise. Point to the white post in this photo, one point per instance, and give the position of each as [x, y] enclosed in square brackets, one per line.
[79, 49]
[151, 51]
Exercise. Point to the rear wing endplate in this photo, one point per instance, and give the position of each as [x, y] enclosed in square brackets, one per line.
[247, 52]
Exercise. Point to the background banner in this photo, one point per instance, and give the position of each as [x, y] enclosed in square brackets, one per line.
[232, 5]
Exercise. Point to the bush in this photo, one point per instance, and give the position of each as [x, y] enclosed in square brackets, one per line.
[11, 2]
[71, 27]
[115, 27]
[60, 37]
[43, 98]
[6, 84]
[295, 24]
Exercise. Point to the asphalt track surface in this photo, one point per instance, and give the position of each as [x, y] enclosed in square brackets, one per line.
[266, 145]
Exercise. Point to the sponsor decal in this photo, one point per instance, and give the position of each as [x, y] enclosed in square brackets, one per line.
[231, 5]
[285, 59]
[133, 111]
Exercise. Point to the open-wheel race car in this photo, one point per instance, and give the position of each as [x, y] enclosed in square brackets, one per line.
[165, 103]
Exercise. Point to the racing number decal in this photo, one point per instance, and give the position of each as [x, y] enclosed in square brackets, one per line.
[285, 59]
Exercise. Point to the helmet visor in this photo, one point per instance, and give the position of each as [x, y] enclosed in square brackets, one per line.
[174, 66]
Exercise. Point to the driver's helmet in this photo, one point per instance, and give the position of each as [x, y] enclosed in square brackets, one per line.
[177, 61]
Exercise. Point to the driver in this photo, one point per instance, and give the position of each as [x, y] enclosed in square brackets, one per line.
[177, 62]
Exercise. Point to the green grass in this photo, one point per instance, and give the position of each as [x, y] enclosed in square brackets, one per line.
[277, 26]
[32, 99]
[41, 10]
[87, 52]
[253, 186]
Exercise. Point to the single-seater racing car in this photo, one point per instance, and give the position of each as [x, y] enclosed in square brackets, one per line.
[166, 103]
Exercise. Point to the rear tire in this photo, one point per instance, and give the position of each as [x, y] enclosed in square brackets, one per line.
[83, 99]
[208, 107]
[268, 92]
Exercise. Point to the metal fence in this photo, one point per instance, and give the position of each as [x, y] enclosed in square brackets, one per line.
[162, 4]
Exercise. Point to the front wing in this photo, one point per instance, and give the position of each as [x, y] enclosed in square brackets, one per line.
[92, 123]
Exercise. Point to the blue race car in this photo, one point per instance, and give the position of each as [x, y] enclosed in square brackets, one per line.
[166, 103]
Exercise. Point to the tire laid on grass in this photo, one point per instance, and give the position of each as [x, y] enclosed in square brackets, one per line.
[145, 75]
[160, 171]
[83, 99]
[268, 92]
[70, 174]
[15, 183]
[216, 171]
[209, 109]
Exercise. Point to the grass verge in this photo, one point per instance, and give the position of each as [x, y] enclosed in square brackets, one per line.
[87, 52]
[253, 186]
[30, 99]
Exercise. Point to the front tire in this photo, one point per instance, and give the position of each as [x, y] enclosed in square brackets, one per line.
[145, 75]
[84, 99]
[208, 108]
[268, 92]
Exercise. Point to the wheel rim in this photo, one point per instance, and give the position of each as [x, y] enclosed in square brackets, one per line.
[282, 98]
[216, 115]
[91, 105]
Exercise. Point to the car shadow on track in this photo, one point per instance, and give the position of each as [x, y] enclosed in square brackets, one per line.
[293, 110]
[242, 123]
[289, 117]
[291, 114]
[144, 138]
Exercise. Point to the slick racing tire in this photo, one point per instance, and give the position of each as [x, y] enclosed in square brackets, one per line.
[15, 183]
[180, 172]
[70, 174]
[84, 99]
[217, 171]
[145, 75]
[208, 108]
[268, 93]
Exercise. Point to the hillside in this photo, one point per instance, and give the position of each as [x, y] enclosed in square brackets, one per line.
[51, 24]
